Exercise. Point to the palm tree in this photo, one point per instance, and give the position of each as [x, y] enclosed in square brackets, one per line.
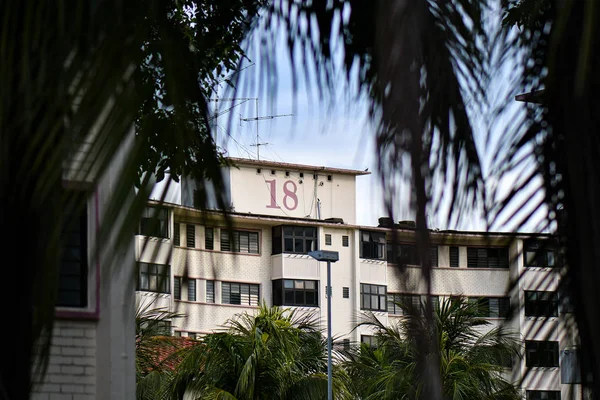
[276, 353]
[432, 68]
[156, 352]
[77, 79]
[472, 357]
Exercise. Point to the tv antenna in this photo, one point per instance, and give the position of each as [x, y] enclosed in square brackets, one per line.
[257, 118]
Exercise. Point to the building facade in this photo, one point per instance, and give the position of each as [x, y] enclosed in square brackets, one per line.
[198, 266]
[92, 353]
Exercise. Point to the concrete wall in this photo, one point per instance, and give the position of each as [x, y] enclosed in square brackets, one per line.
[293, 196]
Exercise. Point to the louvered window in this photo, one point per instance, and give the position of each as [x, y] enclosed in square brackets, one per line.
[209, 238]
[346, 292]
[177, 235]
[454, 257]
[192, 290]
[483, 257]
[491, 307]
[345, 241]
[177, 288]
[327, 239]
[243, 242]
[210, 291]
[239, 293]
[191, 236]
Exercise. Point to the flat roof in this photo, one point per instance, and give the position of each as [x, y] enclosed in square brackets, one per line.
[302, 167]
[311, 221]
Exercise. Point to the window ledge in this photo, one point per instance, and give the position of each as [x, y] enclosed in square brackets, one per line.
[218, 251]
[154, 238]
[532, 318]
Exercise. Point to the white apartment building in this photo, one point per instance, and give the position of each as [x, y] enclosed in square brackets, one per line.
[190, 262]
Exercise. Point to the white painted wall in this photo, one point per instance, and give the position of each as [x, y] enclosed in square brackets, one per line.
[293, 196]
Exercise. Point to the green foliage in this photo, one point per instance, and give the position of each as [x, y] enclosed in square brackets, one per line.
[156, 353]
[187, 48]
[471, 362]
[275, 354]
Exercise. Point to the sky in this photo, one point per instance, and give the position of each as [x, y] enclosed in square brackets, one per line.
[332, 132]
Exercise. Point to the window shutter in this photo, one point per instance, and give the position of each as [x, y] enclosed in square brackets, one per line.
[225, 243]
[209, 238]
[345, 241]
[454, 263]
[177, 288]
[225, 293]
[433, 256]
[471, 257]
[177, 235]
[191, 235]
[253, 243]
[210, 291]
[192, 290]
[254, 295]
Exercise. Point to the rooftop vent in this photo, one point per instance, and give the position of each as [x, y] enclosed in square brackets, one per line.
[386, 222]
[335, 220]
[407, 224]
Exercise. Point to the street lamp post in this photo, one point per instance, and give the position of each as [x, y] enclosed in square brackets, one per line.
[329, 256]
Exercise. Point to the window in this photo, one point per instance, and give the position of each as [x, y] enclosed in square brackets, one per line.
[239, 293]
[541, 353]
[243, 241]
[210, 291]
[483, 257]
[209, 238]
[192, 290]
[299, 239]
[177, 288]
[290, 292]
[372, 245]
[294, 239]
[372, 297]
[543, 395]
[345, 342]
[407, 254]
[454, 260]
[539, 253]
[369, 340]
[73, 270]
[396, 302]
[541, 304]
[346, 292]
[154, 222]
[327, 239]
[154, 278]
[491, 307]
[345, 241]
[177, 234]
[191, 236]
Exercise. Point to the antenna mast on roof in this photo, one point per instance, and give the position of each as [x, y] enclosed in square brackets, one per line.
[257, 118]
